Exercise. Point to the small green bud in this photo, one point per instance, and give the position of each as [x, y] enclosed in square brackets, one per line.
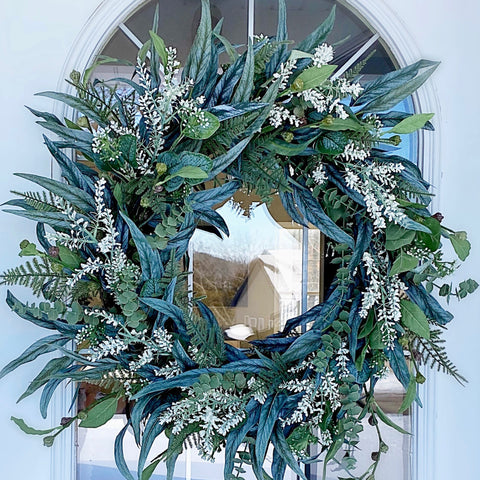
[420, 378]
[297, 85]
[396, 140]
[48, 441]
[24, 244]
[328, 120]
[82, 415]
[75, 76]
[83, 122]
[288, 136]
[403, 341]
[383, 447]
[161, 168]
[144, 202]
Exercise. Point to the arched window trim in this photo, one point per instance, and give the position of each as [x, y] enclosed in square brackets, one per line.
[396, 38]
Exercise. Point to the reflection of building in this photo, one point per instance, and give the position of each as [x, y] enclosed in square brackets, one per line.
[271, 291]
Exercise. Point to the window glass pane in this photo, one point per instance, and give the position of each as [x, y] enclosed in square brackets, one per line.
[177, 25]
[303, 16]
[254, 276]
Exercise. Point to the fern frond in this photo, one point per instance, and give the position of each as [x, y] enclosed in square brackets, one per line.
[39, 276]
[353, 72]
[41, 201]
[261, 169]
[208, 346]
[432, 352]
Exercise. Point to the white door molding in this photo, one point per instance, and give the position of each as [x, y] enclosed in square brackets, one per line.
[397, 39]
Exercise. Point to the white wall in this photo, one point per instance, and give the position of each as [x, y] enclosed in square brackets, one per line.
[448, 31]
[35, 38]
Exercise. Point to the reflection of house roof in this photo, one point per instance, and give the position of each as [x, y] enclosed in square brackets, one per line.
[283, 269]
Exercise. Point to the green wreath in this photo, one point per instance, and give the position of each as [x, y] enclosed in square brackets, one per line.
[154, 156]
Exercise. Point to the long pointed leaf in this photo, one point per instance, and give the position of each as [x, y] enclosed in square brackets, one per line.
[72, 194]
[149, 259]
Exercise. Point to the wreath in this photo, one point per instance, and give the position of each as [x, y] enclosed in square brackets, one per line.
[153, 157]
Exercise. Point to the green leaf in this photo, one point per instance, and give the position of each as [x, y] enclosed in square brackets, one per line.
[460, 244]
[192, 172]
[31, 431]
[375, 338]
[403, 263]
[397, 236]
[100, 413]
[51, 368]
[393, 96]
[431, 240]
[201, 130]
[74, 195]
[340, 124]
[127, 145]
[142, 53]
[410, 395]
[148, 472]
[412, 124]
[68, 258]
[159, 46]
[29, 250]
[229, 48]
[414, 319]
[313, 77]
[386, 420]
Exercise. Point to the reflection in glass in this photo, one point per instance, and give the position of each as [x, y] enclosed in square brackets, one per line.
[254, 276]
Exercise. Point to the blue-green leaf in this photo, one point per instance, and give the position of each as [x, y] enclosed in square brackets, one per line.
[318, 35]
[269, 414]
[314, 213]
[40, 347]
[281, 445]
[199, 58]
[149, 259]
[72, 194]
[245, 85]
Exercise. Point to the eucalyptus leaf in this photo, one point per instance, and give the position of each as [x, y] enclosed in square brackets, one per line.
[460, 244]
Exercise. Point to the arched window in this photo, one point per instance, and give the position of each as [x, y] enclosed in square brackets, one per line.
[270, 269]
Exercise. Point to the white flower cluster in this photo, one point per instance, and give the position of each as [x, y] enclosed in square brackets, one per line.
[322, 55]
[285, 72]
[128, 380]
[217, 411]
[376, 183]
[169, 370]
[341, 359]
[384, 293]
[354, 151]
[258, 389]
[319, 175]
[346, 88]
[315, 398]
[109, 346]
[279, 114]
[79, 234]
